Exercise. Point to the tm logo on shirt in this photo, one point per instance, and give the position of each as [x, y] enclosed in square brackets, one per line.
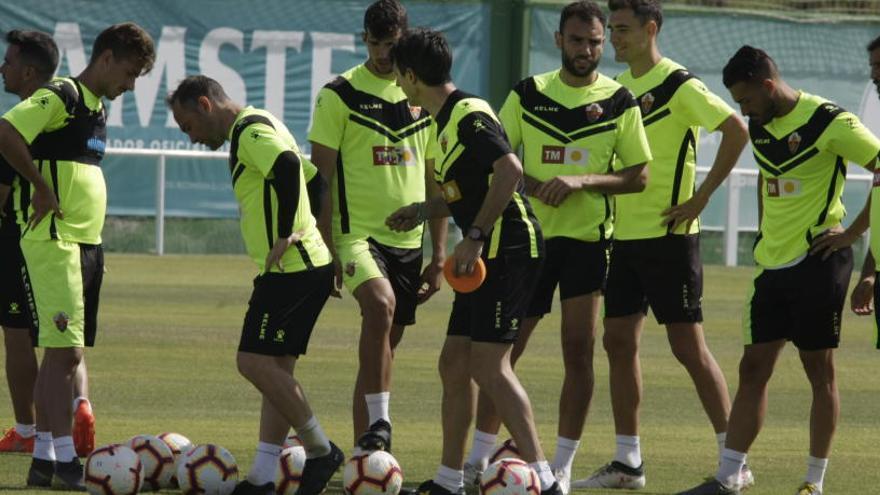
[777, 188]
[564, 155]
[391, 155]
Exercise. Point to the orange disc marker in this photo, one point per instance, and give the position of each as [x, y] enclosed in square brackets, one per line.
[465, 283]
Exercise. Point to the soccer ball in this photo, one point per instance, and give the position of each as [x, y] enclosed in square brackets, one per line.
[376, 473]
[156, 459]
[113, 470]
[179, 446]
[509, 477]
[207, 469]
[506, 450]
[290, 468]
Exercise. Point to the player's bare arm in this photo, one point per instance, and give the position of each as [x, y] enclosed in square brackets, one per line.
[324, 159]
[840, 238]
[862, 299]
[507, 174]
[432, 274]
[14, 148]
[734, 137]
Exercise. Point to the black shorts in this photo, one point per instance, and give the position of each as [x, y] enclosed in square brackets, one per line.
[283, 310]
[802, 303]
[493, 312]
[403, 268]
[664, 273]
[14, 312]
[577, 267]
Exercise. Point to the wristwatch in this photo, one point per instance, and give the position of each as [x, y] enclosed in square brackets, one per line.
[476, 234]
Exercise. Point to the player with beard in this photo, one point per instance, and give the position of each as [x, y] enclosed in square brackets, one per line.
[801, 143]
[865, 295]
[571, 123]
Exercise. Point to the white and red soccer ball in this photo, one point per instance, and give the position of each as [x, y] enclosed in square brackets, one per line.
[510, 477]
[157, 461]
[113, 470]
[376, 473]
[207, 470]
[179, 446]
[290, 468]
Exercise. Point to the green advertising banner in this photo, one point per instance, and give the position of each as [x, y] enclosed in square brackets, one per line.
[274, 54]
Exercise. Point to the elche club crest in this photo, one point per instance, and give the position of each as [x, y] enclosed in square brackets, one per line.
[794, 142]
[594, 112]
[646, 103]
[415, 112]
[61, 320]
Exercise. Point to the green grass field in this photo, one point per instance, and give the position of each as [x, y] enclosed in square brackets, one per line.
[170, 326]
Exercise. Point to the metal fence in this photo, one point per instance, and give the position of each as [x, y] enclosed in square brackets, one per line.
[739, 179]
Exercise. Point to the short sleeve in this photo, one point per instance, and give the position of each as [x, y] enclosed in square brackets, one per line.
[695, 104]
[511, 120]
[846, 136]
[631, 146]
[44, 110]
[328, 120]
[259, 146]
[481, 134]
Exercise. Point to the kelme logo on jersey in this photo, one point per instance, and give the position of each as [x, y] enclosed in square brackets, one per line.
[794, 142]
[394, 155]
[451, 192]
[443, 142]
[61, 320]
[564, 155]
[777, 188]
[14, 309]
[647, 103]
[593, 111]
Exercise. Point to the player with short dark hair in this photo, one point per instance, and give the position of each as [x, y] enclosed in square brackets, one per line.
[655, 260]
[801, 143]
[479, 186]
[295, 279]
[55, 140]
[369, 143]
[571, 123]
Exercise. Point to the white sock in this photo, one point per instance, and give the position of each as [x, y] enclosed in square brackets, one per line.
[728, 470]
[816, 471]
[377, 406]
[481, 449]
[720, 438]
[82, 399]
[25, 431]
[565, 451]
[544, 474]
[628, 451]
[43, 447]
[450, 479]
[265, 464]
[64, 450]
[314, 440]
